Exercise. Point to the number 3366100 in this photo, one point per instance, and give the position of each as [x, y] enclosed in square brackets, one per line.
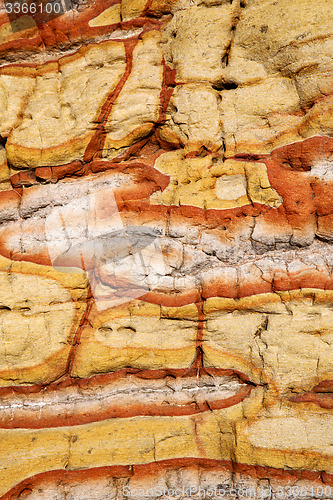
[33, 8]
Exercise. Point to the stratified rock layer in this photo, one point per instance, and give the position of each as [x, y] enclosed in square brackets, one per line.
[166, 228]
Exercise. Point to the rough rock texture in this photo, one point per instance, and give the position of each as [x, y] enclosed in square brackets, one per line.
[166, 263]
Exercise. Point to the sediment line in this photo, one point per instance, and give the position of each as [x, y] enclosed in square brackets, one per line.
[123, 395]
[151, 470]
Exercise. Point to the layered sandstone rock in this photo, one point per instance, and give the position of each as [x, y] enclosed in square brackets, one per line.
[166, 227]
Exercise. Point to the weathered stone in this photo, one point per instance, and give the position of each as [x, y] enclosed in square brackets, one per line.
[38, 322]
[197, 39]
[193, 118]
[109, 16]
[58, 120]
[166, 250]
[137, 336]
[130, 9]
[137, 108]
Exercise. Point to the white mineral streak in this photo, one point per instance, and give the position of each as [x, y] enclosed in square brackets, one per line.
[126, 392]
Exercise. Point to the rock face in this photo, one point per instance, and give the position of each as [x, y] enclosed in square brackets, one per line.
[166, 259]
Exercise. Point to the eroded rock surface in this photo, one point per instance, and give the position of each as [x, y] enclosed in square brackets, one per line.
[166, 228]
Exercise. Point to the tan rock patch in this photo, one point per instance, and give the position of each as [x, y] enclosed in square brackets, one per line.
[138, 336]
[136, 109]
[37, 323]
[110, 15]
[130, 9]
[58, 121]
[196, 41]
[201, 183]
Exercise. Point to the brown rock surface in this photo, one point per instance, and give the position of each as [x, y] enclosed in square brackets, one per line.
[166, 222]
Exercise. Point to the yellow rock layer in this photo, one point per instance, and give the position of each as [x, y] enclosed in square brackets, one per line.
[136, 109]
[110, 15]
[130, 9]
[40, 311]
[137, 335]
[59, 119]
[201, 183]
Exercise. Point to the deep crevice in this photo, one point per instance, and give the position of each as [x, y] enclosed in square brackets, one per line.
[225, 86]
